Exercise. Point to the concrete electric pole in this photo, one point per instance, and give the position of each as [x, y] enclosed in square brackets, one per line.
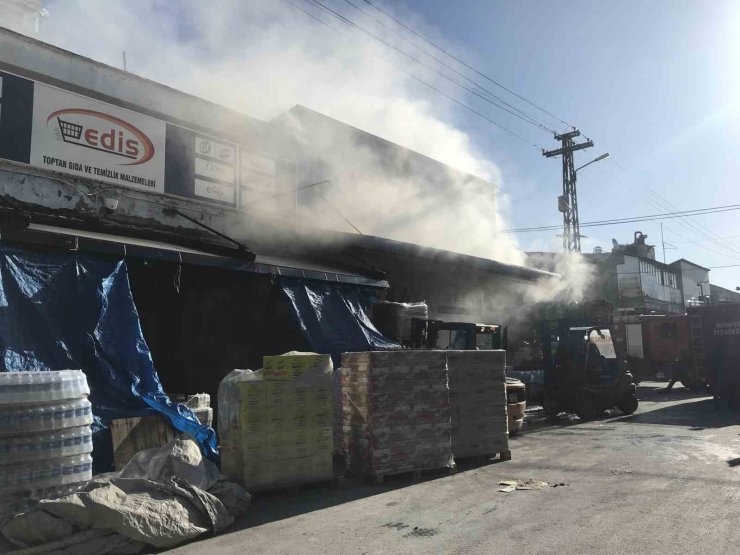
[568, 202]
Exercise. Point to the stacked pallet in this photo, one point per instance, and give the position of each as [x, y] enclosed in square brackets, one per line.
[395, 412]
[280, 432]
[45, 436]
[478, 403]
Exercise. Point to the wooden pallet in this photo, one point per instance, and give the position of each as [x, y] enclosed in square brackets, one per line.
[415, 474]
[131, 435]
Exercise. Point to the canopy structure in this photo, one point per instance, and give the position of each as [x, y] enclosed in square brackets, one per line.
[62, 310]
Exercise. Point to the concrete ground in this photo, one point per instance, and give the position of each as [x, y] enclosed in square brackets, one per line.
[665, 480]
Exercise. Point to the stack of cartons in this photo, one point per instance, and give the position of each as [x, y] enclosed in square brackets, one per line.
[478, 403]
[395, 412]
[286, 422]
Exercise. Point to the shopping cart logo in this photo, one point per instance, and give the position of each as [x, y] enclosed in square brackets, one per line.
[103, 132]
[70, 131]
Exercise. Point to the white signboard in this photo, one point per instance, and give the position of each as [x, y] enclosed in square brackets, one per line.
[89, 138]
[254, 163]
[257, 178]
[217, 151]
[215, 191]
[214, 170]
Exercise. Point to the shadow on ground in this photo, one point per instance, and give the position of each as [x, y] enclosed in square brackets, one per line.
[698, 414]
[693, 411]
[657, 393]
[278, 505]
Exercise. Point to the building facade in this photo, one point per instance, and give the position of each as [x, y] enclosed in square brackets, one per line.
[200, 203]
[695, 286]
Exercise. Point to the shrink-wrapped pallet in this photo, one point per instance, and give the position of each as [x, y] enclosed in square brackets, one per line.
[478, 402]
[276, 430]
[395, 412]
[45, 436]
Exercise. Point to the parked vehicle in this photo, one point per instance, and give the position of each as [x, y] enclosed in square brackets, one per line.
[583, 374]
[715, 348]
[586, 377]
[658, 346]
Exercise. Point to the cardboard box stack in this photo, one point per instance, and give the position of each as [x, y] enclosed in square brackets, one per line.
[395, 412]
[478, 402]
[283, 423]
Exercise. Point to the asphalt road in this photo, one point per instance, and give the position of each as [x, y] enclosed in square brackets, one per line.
[665, 480]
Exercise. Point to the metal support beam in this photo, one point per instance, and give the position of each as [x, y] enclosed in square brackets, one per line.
[569, 203]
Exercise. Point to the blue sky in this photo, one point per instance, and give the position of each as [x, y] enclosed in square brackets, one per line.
[654, 83]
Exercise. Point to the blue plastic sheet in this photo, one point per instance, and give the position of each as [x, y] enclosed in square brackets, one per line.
[332, 318]
[65, 310]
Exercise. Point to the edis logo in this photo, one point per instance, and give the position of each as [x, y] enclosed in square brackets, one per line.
[103, 132]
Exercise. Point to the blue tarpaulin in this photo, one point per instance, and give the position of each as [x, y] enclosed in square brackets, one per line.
[66, 310]
[332, 317]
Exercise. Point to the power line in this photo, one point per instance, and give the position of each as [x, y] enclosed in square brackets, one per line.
[652, 217]
[726, 266]
[722, 237]
[646, 197]
[655, 205]
[524, 114]
[354, 25]
[664, 204]
[449, 97]
[486, 77]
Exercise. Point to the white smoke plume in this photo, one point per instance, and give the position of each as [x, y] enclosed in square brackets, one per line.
[261, 57]
[264, 56]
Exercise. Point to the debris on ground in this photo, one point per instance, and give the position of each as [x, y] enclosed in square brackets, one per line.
[162, 498]
[620, 471]
[521, 485]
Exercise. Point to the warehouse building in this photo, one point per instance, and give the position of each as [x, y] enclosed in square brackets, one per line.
[198, 201]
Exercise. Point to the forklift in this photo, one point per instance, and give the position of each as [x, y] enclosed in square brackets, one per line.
[583, 374]
[464, 336]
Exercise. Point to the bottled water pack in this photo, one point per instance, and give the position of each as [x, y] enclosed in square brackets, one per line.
[22, 419]
[19, 388]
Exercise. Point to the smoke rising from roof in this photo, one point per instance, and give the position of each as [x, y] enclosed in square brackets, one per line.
[262, 57]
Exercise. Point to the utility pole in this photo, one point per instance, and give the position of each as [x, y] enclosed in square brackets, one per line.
[662, 240]
[568, 202]
[664, 243]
